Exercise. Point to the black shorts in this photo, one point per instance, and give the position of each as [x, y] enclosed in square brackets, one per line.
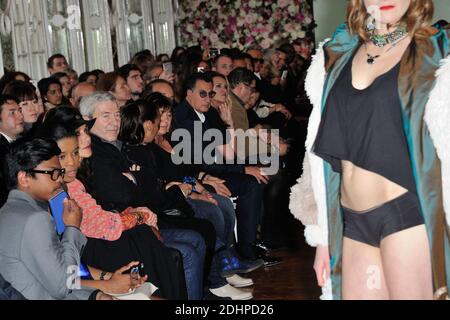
[371, 227]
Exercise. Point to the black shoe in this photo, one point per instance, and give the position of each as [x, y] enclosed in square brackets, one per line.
[261, 247]
[271, 261]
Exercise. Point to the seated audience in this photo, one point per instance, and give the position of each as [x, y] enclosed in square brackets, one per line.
[114, 239]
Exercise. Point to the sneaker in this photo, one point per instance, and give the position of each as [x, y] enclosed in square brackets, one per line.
[228, 291]
[234, 266]
[239, 282]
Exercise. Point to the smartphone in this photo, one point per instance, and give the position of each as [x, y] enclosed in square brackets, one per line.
[284, 75]
[214, 53]
[168, 68]
[57, 210]
[136, 272]
[85, 274]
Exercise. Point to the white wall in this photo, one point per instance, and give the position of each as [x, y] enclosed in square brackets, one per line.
[330, 13]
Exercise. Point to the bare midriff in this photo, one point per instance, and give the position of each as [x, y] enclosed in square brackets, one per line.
[363, 190]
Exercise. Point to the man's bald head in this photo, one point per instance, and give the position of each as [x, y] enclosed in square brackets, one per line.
[81, 90]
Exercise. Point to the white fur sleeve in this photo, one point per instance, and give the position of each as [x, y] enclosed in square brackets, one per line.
[308, 197]
[437, 118]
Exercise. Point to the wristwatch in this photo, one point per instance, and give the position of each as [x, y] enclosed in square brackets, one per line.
[139, 218]
[102, 275]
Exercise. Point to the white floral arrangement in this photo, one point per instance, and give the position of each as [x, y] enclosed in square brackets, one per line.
[243, 23]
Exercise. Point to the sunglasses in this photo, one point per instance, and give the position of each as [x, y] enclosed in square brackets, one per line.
[258, 60]
[55, 174]
[203, 94]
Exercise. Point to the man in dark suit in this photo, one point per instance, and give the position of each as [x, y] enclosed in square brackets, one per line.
[242, 181]
[11, 125]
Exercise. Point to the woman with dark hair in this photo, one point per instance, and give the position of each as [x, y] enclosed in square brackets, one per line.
[25, 93]
[373, 196]
[65, 81]
[114, 239]
[51, 93]
[115, 84]
[88, 77]
[177, 54]
[140, 125]
[13, 76]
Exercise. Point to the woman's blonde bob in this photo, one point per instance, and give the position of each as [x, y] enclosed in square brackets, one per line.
[417, 18]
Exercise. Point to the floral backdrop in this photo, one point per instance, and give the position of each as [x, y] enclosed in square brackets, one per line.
[243, 23]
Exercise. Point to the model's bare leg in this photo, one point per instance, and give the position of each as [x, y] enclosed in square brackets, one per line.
[362, 272]
[407, 264]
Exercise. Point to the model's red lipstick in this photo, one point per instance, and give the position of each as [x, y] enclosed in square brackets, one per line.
[387, 8]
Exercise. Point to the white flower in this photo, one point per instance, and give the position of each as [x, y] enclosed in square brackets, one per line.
[266, 43]
[301, 34]
[252, 4]
[214, 38]
[292, 9]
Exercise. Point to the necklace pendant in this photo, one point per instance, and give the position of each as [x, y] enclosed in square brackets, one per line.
[371, 59]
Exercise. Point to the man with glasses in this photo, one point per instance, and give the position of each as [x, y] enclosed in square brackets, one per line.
[33, 258]
[258, 60]
[240, 180]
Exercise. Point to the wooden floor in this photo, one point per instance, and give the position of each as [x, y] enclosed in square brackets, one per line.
[294, 279]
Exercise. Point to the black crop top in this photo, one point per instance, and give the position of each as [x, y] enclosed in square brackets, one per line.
[365, 128]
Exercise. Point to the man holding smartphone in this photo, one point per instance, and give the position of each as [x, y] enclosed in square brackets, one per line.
[36, 262]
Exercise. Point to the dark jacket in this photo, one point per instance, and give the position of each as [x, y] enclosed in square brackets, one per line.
[4, 148]
[112, 190]
[152, 191]
[186, 118]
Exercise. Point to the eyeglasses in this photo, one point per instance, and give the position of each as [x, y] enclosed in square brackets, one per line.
[55, 174]
[203, 94]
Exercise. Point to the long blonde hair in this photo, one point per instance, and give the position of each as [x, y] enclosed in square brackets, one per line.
[417, 18]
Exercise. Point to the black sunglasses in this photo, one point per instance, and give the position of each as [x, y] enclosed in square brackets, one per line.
[203, 94]
[55, 174]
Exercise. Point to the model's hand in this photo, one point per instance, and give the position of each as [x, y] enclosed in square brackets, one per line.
[322, 265]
